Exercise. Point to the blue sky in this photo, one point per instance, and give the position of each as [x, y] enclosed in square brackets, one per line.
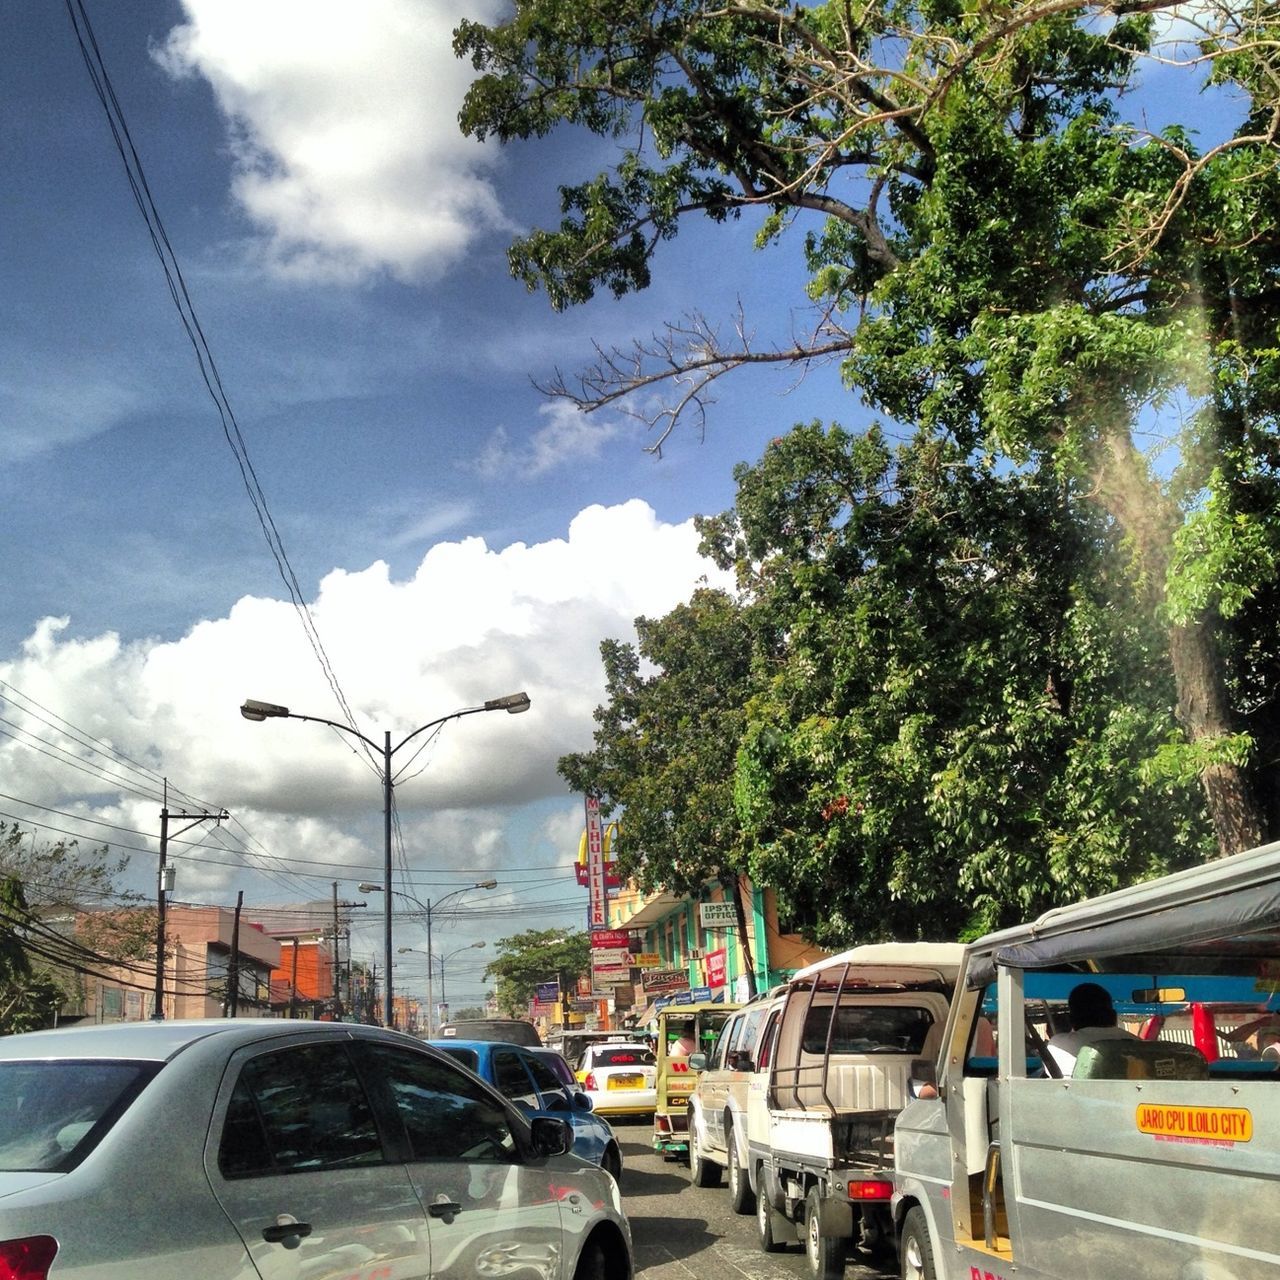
[456, 535]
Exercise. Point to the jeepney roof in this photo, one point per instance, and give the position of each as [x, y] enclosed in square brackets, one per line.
[894, 961]
[700, 1006]
[1230, 905]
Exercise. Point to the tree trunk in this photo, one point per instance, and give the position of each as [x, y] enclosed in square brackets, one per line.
[730, 881]
[1130, 494]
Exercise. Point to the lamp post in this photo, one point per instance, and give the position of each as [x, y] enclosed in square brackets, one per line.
[513, 703]
[441, 961]
[427, 908]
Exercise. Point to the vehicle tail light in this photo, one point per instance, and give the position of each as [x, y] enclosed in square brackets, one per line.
[589, 1082]
[28, 1258]
[870, 1190]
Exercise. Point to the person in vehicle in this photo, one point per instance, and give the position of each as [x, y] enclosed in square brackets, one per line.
[1093, 1018]
[684, 1046]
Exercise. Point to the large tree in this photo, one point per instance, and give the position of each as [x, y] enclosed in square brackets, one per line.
[532, 957]
[665, 748]
[1003, 255]
[957, 694]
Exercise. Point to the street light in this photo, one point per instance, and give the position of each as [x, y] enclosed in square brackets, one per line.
[441, 961]
[252, 709]
[427, 908]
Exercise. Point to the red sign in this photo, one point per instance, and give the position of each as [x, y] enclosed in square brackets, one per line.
[610, 940]
[717, 963]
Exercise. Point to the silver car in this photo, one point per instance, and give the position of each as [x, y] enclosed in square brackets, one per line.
[260, 1150]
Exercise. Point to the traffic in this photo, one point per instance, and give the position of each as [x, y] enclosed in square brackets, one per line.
[933, 1111]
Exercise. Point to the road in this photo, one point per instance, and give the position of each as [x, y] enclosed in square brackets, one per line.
[683, 1232]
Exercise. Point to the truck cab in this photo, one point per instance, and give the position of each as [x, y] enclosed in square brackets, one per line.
[1156, 1150]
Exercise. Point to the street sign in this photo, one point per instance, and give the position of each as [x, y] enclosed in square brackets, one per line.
[665, 980]
[717, 915]
[610, 939]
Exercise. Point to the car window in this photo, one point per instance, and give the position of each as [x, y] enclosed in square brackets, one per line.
[767, 1041]
[447, 1114]
[52, 1114]
[298, 1109]
[559, 1067]
[468, 1057]
[877, 1028]
[545, 1077]
[726, 1042]
[512, 1080]
[750, 1032]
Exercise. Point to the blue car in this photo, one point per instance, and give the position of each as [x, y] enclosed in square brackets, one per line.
[528, 1078]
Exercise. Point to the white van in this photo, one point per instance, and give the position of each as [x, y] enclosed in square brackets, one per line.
[836, 1056]
[1156, 1154]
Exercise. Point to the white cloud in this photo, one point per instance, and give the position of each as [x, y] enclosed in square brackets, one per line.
[473, 622]
[569, 436]
[344, 129]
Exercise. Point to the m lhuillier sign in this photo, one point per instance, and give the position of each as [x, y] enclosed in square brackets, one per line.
[717, 915]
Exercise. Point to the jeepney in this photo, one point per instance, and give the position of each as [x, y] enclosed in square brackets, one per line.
[698, 1025]
[835, 1061]
[1159, 1155]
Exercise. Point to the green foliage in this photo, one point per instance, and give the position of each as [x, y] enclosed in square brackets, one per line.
[666, 742]
[965, 698]
[534, 956]
[1030, 278]
[29, 995]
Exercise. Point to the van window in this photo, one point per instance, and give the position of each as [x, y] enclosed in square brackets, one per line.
[878, 1028]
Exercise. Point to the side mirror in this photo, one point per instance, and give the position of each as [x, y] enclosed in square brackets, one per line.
[582, 1103]
[551, 1136]
[697, 1062]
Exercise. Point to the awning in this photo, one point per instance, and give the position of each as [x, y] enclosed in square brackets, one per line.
[1227, 906]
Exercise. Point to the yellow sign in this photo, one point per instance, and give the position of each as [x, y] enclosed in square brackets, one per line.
[1216, 1125]
[647, 960]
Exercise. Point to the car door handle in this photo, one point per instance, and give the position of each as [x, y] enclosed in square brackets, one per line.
[444, 1208]
[279, 1232]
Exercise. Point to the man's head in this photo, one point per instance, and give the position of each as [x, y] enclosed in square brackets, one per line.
[1089, 1005]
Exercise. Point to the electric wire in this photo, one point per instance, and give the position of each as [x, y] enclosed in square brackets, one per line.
[178, 292]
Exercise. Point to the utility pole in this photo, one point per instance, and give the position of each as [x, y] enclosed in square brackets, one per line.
[164, 883]
[232, 1005]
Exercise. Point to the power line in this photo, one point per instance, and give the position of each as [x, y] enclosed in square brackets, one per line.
[178, 292]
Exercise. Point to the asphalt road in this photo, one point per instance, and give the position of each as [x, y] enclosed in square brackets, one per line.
[683, 1232]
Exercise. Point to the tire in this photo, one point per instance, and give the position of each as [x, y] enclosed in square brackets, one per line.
[611, 1163]
[916, 1248]
[591, 1263]
[770, 1224]
[741, 1199]
[702, 1172]
[826, 1255]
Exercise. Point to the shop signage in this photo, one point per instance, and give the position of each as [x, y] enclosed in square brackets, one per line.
[717, 915]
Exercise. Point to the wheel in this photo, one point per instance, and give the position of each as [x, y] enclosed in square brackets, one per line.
[771, 1226]
[916, 1249]
[825, 1254]
[611, 1162]
[702, 1172]
[741, 1199]
[591, 1264]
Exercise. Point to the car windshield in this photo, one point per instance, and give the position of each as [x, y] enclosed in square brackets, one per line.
[623, 1056]
[52, 1114]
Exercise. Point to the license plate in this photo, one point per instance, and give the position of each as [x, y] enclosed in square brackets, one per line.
[626, 1082]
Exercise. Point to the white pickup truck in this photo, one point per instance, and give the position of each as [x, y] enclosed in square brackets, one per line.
[839, 1048]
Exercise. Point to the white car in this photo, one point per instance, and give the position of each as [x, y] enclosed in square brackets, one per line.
[621, 1079]
[260, 1150]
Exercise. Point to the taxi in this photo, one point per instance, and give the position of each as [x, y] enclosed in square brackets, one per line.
[620, 1078]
